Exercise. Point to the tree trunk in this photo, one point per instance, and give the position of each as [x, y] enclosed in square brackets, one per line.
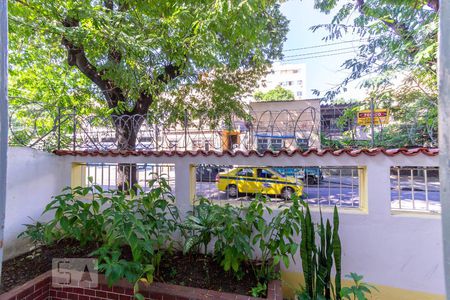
[127, 129]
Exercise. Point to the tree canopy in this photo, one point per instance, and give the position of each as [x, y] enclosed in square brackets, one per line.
[399, 40]
[128, 57]
[396, 61]
[277, 94]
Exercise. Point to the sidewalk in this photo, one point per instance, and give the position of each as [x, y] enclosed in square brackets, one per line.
[433, 183]
[405, 182]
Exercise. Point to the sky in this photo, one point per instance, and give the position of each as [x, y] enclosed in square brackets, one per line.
[322, 73]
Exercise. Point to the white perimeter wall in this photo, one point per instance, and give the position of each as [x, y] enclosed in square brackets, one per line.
[33, 178]
[399, 250]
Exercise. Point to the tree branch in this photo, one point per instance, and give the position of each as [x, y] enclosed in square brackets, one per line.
[145, 100]
[400, 29]
[143, 104]
[76, 56]
[170, 72]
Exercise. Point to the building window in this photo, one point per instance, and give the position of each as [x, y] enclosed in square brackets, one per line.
[262, 144]
[300, 82]
[276, 144]
[294, 71]
[299, 94]
[290, 83]
[302, 143]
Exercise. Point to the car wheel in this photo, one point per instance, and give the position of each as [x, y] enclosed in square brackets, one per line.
[311, 180]
[287, 193]
[232, 191]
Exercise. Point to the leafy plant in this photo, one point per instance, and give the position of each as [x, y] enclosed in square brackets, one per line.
[239, 230]
[75, 216]
[260, 290]
[358, 290]
[275, 239]
[35, 232]
[317, 260]
[233, 241]
[228, 226]
[142, 223]
[201, 225]
[134, 228]
[337, 252]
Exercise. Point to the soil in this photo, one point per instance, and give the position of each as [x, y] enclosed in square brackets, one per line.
[19, 270]
[204, 272]
[195, 270]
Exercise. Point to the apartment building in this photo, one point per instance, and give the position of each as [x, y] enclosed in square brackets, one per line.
[290, 76]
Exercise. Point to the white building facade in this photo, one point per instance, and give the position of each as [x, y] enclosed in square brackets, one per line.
[289, 76]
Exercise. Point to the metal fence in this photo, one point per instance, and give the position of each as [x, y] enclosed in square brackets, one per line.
[412, 188]
[106, 174]
[261, 131]
[325, 186]
[415, 189]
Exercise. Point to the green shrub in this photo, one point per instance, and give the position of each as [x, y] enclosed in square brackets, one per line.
[239, 231]
[134, 228]
[233, 242]
[201, 225]
[275, 239]
[228, 228]
[358, 290]
[318, 259]
[77, 215]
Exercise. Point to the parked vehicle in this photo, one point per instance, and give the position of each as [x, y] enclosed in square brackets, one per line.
[310, 175]
[251, 180]
[208, 173]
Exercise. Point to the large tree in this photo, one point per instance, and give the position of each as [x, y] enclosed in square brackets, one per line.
[277, 94]
[396, 61]
[134, 58]
[142, 56]
[399, 40]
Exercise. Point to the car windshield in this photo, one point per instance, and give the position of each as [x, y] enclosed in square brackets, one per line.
[277, 173]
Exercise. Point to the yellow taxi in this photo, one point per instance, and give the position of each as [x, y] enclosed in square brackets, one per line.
[252, 180]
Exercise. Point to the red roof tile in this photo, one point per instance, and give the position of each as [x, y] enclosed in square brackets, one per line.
[317, 152]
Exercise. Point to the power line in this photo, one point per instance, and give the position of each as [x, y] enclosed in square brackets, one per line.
[326, 51]
[325, 45]
[316, 56]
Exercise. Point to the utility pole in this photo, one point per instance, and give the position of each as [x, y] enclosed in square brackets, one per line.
[3, 117]
[372, 123]
[444, 132]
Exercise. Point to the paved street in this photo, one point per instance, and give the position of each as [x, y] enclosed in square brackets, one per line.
[340, 190]
[327, 195]
[344, 191]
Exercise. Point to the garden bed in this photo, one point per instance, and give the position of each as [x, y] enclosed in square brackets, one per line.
[195, 275]
[40, 288]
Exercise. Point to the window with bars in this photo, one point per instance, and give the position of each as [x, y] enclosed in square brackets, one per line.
[415, 189]
[324, 186]
[106, 174]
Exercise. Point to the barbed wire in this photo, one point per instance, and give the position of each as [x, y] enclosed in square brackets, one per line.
[275, 130]
[265, 130]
